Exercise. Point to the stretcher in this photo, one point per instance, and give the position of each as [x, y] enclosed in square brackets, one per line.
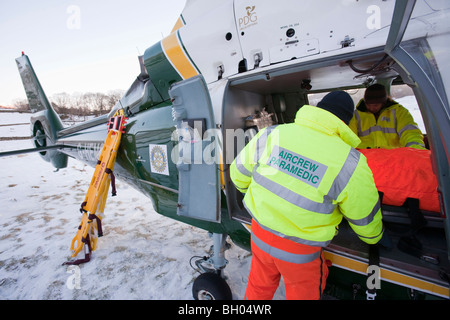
[93, 206]
[404, 173]
[409, 194]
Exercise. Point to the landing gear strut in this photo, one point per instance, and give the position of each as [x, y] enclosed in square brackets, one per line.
[211, 285]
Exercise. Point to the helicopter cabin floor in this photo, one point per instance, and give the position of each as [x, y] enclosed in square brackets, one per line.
[408, 266]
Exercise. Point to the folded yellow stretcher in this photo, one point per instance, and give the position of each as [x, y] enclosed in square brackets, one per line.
[94, 203]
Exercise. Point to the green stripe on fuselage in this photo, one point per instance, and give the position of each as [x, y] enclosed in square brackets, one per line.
[160, 70]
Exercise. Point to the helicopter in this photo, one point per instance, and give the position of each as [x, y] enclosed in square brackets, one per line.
[230, 68]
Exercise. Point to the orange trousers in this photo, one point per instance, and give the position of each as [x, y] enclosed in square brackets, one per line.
[302, 267]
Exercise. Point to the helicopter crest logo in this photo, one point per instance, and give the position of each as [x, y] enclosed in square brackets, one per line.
[158, 159]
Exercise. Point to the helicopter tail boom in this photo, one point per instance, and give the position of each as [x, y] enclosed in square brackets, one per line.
[45, 122]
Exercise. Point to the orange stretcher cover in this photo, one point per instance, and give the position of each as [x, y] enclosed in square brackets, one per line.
[404, 173]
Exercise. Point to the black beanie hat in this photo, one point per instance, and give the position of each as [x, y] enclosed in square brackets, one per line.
[376, 93]
[340, 104]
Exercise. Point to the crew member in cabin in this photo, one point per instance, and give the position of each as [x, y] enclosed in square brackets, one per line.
[380, 122]
[300, 180]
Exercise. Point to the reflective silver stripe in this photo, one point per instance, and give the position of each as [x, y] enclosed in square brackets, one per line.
[241, 167]
[292, 238]
[283, 255]
[368, 219]
[382, 230]
[343, 177]
[260, 147]
[292, 197]
[407, 127]
[412, 143]
[375, 129]
[327, 206]
[242, 190]
[262, 141]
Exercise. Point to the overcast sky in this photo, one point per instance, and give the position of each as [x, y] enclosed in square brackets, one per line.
[79, 45]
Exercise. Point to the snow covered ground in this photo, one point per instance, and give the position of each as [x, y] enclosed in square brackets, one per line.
[142, 254]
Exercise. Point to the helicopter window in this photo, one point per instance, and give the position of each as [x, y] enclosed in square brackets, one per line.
[403, 94]
[141, 96]
[356, 94]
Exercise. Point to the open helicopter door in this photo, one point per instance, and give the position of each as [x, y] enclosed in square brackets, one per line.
[195, 153]
[423, 64]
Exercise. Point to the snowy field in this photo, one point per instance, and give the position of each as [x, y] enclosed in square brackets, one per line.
[142, 254]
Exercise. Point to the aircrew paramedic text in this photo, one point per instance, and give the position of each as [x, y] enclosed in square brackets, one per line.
[297, 166]
[216, 311]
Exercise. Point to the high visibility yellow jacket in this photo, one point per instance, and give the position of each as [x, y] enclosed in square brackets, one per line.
[394, 128]
[300, 179]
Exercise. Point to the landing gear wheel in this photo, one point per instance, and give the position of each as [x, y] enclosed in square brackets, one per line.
[211, 286]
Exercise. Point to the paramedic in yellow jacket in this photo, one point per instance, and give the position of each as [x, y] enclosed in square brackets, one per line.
[381, 122]
[300, 180]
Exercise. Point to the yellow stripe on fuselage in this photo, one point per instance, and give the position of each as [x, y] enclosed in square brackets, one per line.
[177, 57]
[387, 275]
[177, 25]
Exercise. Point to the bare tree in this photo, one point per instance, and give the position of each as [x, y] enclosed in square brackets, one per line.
[114, 96]
[61, 103]
[100, 103]
[21, 105]
[85, 104]
[78, 104]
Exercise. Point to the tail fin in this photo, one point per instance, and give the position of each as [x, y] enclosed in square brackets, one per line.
[45, 121]
[36, 96]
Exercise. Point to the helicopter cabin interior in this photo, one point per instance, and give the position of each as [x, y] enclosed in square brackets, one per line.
[258, 99]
